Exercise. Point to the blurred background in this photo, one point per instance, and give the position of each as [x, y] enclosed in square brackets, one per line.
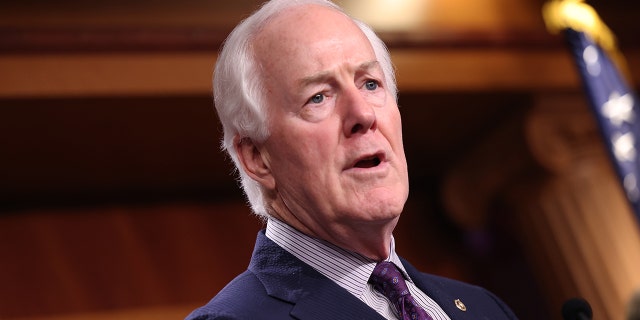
[116, 203]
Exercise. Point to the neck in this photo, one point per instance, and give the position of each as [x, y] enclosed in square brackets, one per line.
[371, 239]
[371, 242]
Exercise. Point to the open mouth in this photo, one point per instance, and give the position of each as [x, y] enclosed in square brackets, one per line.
[368, 162]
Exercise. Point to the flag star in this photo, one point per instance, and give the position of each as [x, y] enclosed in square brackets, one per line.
[631, 186]
[624, 147]
[591, 59]
[618, 108]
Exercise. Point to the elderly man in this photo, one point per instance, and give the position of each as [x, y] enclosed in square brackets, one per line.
[307, 99]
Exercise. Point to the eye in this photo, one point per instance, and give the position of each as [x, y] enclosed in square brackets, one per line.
[371, 85]
[317, 98]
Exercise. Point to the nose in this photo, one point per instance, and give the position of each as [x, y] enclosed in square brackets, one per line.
[359, 115]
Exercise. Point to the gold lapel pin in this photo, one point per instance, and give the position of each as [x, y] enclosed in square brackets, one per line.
[460, 305]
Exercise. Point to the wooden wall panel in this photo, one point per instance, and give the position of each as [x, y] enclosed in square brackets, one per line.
[89, 259]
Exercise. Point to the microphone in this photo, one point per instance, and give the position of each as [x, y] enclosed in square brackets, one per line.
[576, 309]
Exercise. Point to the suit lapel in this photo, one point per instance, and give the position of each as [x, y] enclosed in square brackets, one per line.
[327, 300]
[442, 297]
[312, 295]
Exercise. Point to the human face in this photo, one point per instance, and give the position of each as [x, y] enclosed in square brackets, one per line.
[335, 154]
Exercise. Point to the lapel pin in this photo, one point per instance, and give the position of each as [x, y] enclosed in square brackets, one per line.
[460, 305]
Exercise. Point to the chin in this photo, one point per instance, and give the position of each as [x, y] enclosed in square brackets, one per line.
[383, 209]
[378, 204]
[384, 200]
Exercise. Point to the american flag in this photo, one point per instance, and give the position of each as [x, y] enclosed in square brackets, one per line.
[615, 107]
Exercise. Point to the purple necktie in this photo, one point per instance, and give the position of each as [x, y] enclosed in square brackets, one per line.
[388, 280]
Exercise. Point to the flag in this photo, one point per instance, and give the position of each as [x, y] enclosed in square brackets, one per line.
[611, 99]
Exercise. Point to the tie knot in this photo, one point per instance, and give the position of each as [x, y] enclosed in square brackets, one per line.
[387, 279]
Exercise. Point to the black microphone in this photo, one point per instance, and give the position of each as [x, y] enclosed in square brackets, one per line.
[576, 309]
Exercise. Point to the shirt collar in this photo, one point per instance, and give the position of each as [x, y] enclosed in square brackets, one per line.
[348, 269]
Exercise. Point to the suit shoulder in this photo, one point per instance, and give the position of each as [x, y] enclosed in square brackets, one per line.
[243, 298]
[480, 298]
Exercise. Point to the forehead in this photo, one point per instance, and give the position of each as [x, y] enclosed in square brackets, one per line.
[306, 18]
[306, 39]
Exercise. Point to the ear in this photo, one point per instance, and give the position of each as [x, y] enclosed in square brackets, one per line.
[254, 162]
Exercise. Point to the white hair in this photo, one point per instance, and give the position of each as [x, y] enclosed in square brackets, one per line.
[238, 89]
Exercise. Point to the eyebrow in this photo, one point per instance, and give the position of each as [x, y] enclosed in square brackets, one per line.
[324, 76]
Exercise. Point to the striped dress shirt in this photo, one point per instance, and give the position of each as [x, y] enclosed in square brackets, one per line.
[349, 270]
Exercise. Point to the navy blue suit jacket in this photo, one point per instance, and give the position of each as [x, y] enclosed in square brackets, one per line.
[278, 285]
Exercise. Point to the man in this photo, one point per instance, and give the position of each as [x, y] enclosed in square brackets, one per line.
[307, 99]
